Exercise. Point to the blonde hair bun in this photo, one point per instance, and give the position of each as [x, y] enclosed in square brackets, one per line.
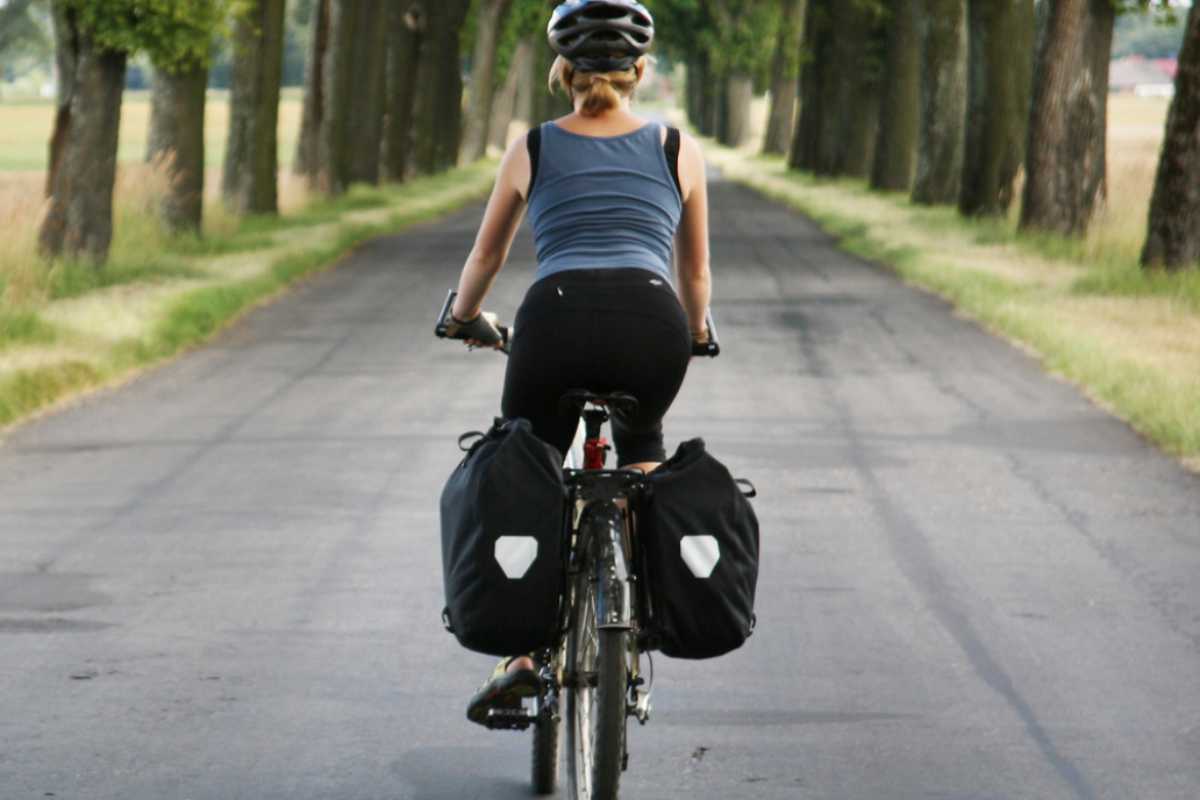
[601, 91]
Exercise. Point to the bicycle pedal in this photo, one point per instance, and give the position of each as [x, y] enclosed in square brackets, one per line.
[639, 710]
[503, 719]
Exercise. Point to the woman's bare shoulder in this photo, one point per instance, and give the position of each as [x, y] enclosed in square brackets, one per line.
[691, 163]
[516, 168]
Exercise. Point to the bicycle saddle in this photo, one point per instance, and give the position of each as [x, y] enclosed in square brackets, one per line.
[619, 403]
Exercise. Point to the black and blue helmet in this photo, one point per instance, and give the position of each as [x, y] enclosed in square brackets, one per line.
[601, 35]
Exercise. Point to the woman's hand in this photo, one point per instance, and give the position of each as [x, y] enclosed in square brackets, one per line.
[482, 330]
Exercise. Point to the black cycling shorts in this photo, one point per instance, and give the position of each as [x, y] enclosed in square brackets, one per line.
[603, 330]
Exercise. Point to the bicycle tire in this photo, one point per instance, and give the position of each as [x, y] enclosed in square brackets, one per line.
[596, 714]
[547, 754]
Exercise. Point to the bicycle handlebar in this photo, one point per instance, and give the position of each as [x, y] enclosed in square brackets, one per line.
[484, 329]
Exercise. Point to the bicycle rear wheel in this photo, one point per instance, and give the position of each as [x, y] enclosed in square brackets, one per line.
[595, 703]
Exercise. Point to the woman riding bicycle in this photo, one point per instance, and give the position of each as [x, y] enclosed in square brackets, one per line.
[610, 195]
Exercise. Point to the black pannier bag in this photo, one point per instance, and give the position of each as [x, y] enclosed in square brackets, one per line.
[699, 539]
[503, 512]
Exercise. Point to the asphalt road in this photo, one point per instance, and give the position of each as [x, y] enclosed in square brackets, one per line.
[223, 580]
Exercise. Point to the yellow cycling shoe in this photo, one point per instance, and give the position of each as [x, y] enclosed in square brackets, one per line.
[503, 690]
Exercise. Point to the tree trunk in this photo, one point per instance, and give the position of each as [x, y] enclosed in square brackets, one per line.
[83, 147]
[369, 98]
[1000, 32]
[352, 130]
[853, 128]
[335, 145]
[546, 105]
[840, 109]
[406, 26]
[715, 97]
[814, 78]
[899, 114]
[437, 120]
[176, 141]
[721, 118]
[943, 101]
[692, 93]
[528, 85]
[706, 98]
[252, 155]
[488, 28]
[861, 130]
[710, 99]
[738, 98]
[308, 148]
[1173, 239]
[506, 102]
[1066, 146]
[785, 78]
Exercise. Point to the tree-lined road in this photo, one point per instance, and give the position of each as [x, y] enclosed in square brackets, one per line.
[223, 580]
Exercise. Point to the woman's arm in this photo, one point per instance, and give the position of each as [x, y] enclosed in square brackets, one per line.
[503, 216]
[691, 240]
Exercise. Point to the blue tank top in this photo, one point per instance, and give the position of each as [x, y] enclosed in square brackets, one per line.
[601, 202]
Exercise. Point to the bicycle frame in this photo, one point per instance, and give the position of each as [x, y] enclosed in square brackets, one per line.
[602, 580]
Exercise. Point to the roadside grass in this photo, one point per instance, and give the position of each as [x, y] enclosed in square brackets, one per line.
[1129, 280]
[24, 327]
[1130, 339]
[25, 391]
[69, 328]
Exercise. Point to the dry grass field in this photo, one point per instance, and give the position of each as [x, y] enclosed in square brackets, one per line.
[1135, 132]
[25, 129]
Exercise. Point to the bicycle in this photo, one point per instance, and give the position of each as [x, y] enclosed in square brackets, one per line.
[595, 665]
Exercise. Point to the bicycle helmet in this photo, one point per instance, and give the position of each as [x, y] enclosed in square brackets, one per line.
[601, 35]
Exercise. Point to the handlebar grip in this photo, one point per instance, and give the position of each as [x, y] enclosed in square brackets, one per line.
[711, 348]
[482, 329]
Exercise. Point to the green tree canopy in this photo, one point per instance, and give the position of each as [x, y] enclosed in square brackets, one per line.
[741, 36]
[175, 34]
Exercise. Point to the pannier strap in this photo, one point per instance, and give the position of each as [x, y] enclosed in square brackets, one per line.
[747, 487]
[469, 436]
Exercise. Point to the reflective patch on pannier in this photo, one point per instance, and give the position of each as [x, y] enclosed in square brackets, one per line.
[516, 554]
[701, 554]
